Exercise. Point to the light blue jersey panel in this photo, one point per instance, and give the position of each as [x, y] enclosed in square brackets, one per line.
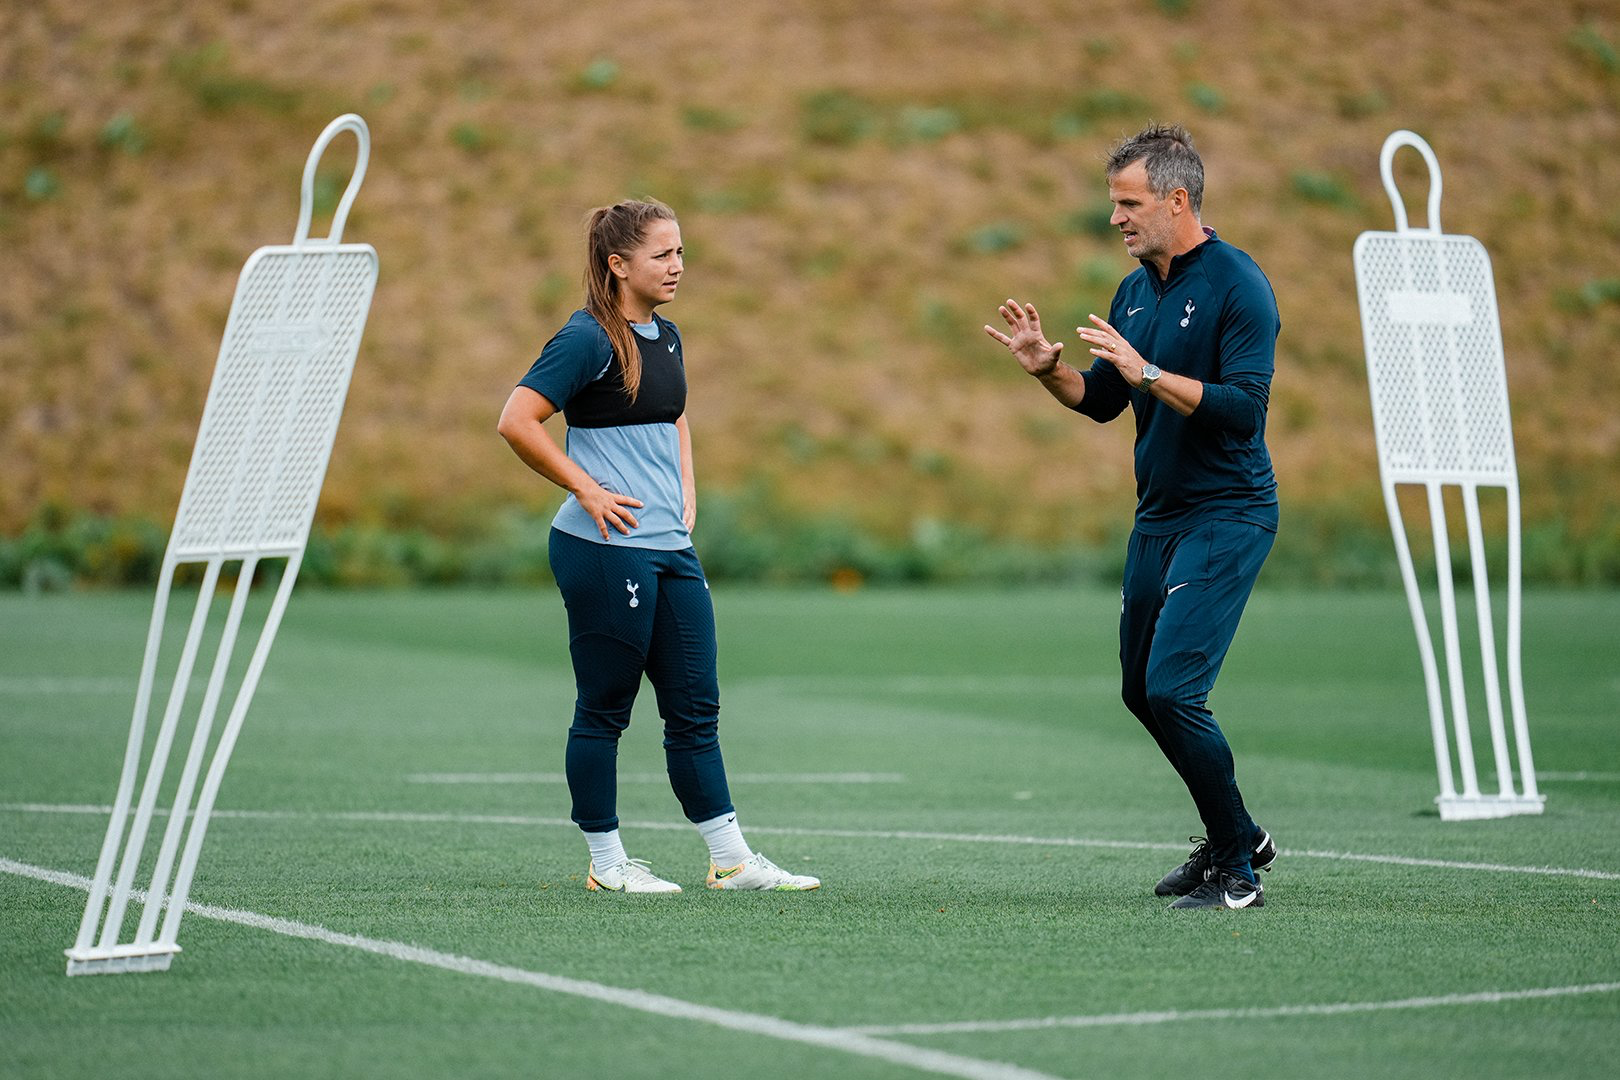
[639, 460]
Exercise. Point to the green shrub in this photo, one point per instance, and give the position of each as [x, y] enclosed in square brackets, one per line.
[1324, 189]
[1093, 220]
[1068, 125]
[1589, 42]
[1600, 291]
[1357, 106]
[703, 118]
[599, 74]
[206, 72]
[928, 124]
[836, 118]
[469, 137]
[122, 133]
[59, 547]
[41, 184]
[1205, 97]
[996, 238]
[751, 536]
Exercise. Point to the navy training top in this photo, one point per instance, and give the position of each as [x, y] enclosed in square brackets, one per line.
[631, 448]
[1214, 319]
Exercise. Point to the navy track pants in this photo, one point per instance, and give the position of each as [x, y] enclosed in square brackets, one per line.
[1182, 598]
[635, 611]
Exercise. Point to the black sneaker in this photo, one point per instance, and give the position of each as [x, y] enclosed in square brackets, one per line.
[1190, 874]
[1265, 853]
[1223, 889]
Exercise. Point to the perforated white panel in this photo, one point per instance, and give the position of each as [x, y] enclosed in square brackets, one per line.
[256, 471]
[1434, 358]
[278, 392]
[1440, 409]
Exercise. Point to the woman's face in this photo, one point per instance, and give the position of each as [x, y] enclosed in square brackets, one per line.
[649, 275]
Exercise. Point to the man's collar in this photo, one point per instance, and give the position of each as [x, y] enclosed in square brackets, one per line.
[1178, 263]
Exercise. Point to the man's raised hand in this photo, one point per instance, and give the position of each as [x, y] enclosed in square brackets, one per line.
[1034, 353]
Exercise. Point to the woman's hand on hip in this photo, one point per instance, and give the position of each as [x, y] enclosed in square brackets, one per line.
[608, 508]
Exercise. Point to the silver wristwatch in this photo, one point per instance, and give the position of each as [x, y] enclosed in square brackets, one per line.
[1150, 375]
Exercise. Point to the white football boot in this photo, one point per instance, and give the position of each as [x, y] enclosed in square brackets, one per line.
[758, 872]
[629, 876]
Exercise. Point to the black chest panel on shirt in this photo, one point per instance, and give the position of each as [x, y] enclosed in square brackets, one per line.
[661, 399]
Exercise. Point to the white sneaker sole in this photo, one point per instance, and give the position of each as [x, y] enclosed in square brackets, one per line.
[721, 886]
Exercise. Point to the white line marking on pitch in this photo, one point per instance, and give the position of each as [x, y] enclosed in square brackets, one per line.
[1139, 1019]
[658, 778]
[1142, 845]
[1600, 777]
[1402, 860]
[840, 834]
[849, 1042]
[65, 684]
[88, 684]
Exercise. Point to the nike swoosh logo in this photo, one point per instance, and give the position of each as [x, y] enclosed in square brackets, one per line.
[1226, 898]
[672, 348]
[721, 875]
[1173, 588]
[1131, 311]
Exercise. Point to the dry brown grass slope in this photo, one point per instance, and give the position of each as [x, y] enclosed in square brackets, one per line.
[859, 183]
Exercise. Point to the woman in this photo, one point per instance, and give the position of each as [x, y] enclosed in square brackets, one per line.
[621, 547]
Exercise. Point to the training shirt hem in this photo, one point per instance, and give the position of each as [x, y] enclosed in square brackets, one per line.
[618, 539]
[1269, 523]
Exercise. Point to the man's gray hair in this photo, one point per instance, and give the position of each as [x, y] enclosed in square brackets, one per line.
[1172, 161]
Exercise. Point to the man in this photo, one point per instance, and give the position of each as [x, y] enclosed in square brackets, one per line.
[1192, 356]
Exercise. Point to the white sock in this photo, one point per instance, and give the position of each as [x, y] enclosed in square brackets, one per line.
[607, 850]
[727, 848]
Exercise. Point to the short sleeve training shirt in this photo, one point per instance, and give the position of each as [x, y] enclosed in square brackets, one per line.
[631, 448]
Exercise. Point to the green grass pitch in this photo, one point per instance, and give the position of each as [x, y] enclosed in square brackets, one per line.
[974, 714]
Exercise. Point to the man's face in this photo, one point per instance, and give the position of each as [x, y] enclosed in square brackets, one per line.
[1144, 219]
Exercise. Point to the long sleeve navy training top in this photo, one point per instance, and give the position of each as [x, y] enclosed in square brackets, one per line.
[1214, 319]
